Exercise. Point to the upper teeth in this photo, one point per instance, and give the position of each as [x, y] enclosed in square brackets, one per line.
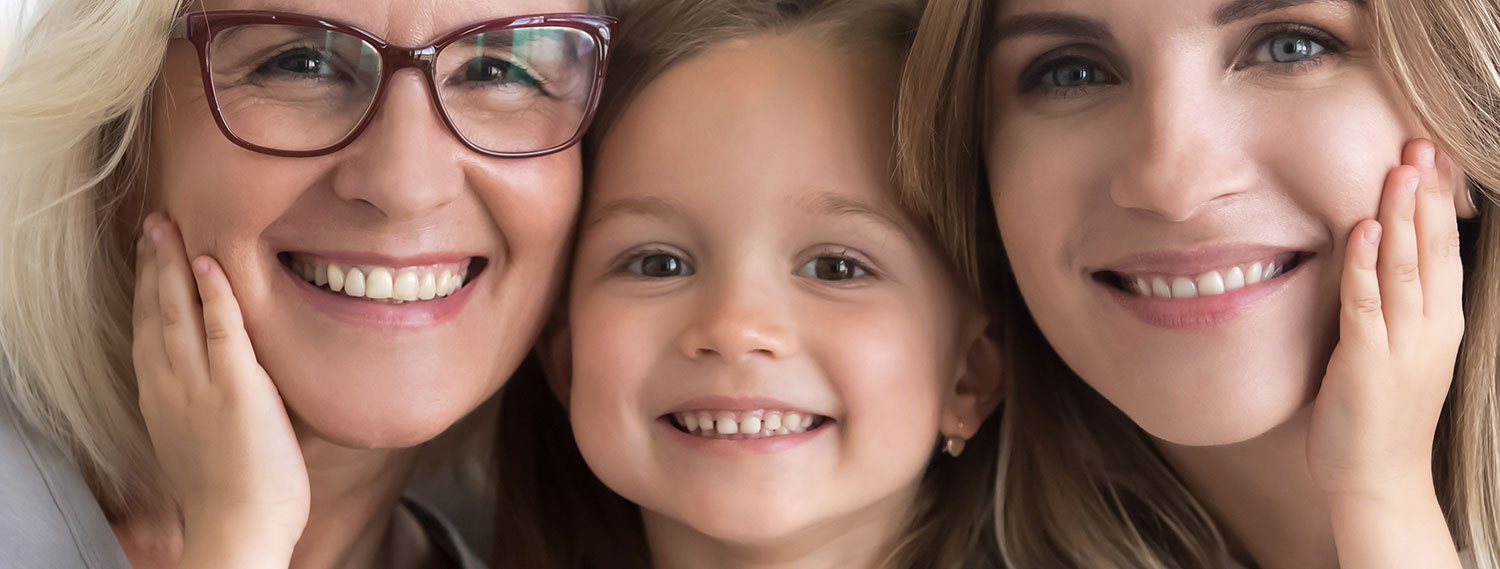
[1206, 284]
[383, 283]
[744, 424]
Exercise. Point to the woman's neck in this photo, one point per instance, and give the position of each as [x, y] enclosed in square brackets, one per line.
[1263, 496]
[860, 539]
[351, 520]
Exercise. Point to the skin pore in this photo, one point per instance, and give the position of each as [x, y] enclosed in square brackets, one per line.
[362, 390]
[1134, 148]
[752, 260]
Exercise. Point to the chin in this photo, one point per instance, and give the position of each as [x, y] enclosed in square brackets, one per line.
[390, 412]
[1224, 410]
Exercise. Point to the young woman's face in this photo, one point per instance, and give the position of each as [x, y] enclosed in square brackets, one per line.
[1174, 184]
[406, 198]
[760, 343]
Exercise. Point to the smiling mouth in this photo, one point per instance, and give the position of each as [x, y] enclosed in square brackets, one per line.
[383, 284]
[1210, 283]
[745, 425]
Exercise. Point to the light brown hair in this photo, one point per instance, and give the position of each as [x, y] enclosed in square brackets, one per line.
[953, 525]
[1079, 484]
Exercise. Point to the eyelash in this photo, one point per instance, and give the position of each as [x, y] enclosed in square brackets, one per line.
[623, 263]
[859, 264]
[1033, 79]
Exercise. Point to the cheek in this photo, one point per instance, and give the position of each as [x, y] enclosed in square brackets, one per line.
[1331, 150]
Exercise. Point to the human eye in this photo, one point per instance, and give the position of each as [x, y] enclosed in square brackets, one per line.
[300, 63]
[836, 267]
[1290, 48]
[1064, 73]
[490, 71]
[656, 264]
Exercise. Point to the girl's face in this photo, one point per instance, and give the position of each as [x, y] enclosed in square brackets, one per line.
[406, 198]
[761, 344]
[1174, 184]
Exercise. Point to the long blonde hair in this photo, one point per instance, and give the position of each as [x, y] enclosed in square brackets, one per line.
[1079, 484]
[583, 523]
[73, 109]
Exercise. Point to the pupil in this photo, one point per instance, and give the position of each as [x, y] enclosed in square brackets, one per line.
[660, 266]
[834, 269]
[1288, 50]
[1071, 76]
[300, 64]
[484, 70]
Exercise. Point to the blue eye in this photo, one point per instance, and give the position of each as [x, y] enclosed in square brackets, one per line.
[659, 266]
[1292, 49]
[830, 268]
[1073, 75]
[1065, 75]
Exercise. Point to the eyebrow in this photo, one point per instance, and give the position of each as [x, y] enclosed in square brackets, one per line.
[1237, 10]
[644, 206]
[1069, 25]
[834, 205]
[1050, 24]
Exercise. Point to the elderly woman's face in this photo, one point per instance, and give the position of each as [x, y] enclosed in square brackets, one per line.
[405, 205]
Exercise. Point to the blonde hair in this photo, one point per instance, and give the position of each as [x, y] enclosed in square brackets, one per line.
[1080, 485]
[70, 146]
[586, 525]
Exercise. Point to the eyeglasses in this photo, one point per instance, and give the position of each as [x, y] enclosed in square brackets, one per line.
[296, 85]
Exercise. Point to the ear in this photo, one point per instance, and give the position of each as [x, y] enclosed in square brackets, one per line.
[978, 387]
[555, 350]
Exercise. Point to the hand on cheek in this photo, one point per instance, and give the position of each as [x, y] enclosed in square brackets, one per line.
[219, 428]
[1401, 320]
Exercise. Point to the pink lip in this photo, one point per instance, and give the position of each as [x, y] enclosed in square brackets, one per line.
[1202, 311]
[1195, 262]
[362, 312]
[737, 404]
[729, 448]
[388, 260]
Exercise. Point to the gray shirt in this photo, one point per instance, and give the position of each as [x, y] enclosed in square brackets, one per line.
[50, 520]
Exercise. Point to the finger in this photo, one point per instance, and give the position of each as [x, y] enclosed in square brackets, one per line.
[1437, 237]
[230, 353]
[181, 316]
[147, 355]
[1397, 267]
[1362, 322]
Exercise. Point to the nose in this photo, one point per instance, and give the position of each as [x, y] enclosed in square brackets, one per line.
[737, 321]
[406, 163]
[1181, 152]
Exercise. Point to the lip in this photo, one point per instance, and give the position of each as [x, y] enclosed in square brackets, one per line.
[737, 404]
[353, 258]
[1196, 262]
[1204, 311]
[729, 448]
[379, 315]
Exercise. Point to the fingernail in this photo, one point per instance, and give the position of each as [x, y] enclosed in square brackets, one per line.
[155, 232]
[1372, 234]
[1411, 184]
[200, 266]
[1428, 156]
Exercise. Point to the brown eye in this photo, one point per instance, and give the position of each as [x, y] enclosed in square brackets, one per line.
[828, 268]
[660, 265]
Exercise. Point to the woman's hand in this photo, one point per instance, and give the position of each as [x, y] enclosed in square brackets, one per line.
[1401, 321]
[216, 421]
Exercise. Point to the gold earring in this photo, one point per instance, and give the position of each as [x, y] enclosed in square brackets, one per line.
[954, 444]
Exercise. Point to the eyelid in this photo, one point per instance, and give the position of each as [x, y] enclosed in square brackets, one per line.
[1033, 75]
[620, 264]
[1256, 40]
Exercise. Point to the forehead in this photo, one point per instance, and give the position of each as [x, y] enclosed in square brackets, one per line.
[755, 120]
[405, 22]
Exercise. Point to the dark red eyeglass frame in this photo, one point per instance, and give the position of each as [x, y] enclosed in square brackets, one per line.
[201, 27]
